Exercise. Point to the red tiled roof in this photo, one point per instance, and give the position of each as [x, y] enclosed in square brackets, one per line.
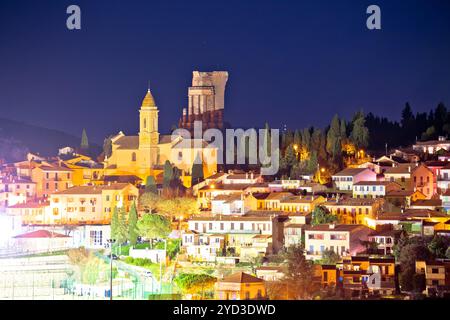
[241, 277]
[40, 234]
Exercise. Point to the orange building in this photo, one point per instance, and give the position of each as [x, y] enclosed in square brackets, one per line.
[422, 179]
[240, 286]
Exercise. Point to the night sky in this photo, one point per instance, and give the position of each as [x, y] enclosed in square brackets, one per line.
[290, 62]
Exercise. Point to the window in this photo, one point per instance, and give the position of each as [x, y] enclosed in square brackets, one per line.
[434, 270]
[96, 237]
[133, 157]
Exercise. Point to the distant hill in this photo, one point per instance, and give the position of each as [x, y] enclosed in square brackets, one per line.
[18, 138]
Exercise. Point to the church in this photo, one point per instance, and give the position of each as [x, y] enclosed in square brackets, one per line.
[145, 154]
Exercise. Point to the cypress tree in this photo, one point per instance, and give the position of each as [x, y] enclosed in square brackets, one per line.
[84, 141]
[197, 171]
[150, 185]
[168, 174]
[132, 225]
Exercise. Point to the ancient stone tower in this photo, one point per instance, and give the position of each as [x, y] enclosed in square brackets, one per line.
[206, 100]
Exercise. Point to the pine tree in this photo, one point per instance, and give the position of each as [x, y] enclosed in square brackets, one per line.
[267, 142]
[360, 133]
[132, 225]
[306, 139]
[297, 138]
[334, 138]
[150, 185]
[84, 141]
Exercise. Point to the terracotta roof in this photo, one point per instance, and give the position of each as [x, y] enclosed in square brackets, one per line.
[128, 143]
[278, 195]
[374, 183]
[338, 227]
[191, 143]
[54, 168]
[299, 199]
[264, 195]
[93, 189]
[30, 205]
[353, 202]
[241, 277]
[427, 203]
[400, 169]
[40, 234]
[401, 193]
[349, 172]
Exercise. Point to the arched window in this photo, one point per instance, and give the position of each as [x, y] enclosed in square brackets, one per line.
[145, 123]
[133, 157]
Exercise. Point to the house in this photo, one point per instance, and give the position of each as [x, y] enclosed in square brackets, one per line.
[256, 200]
[202, 247]
[432, 146]
[244, 231]
[345, 179]
[400, 173]
[228, 204]
[50, 179]
[31, 212]
[90, 204]
[353, 210]
[344, 239]
[437, 276]
[293, 233]
[359, 275]
[445, 197]
[385, 240]
[431, 204]
[302, 204]
[374, 189]
[14, 190]
[270, 273]
[90, 236]
[404, 198]
[40, 241]
[240, 286]
[85, 170]
[443, 179]
[209, 192]
[242, 178]
[423, 180]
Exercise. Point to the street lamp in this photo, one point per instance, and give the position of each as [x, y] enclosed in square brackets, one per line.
[110, 242]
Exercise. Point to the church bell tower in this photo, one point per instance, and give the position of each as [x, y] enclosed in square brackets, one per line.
[148, 125]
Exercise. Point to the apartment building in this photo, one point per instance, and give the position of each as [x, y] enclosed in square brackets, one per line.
[374, 189]
[90, 204]
[344, 239]
[355, 211]
[345, 179]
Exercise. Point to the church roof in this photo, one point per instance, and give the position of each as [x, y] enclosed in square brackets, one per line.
[128, 143]
[148, 101]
